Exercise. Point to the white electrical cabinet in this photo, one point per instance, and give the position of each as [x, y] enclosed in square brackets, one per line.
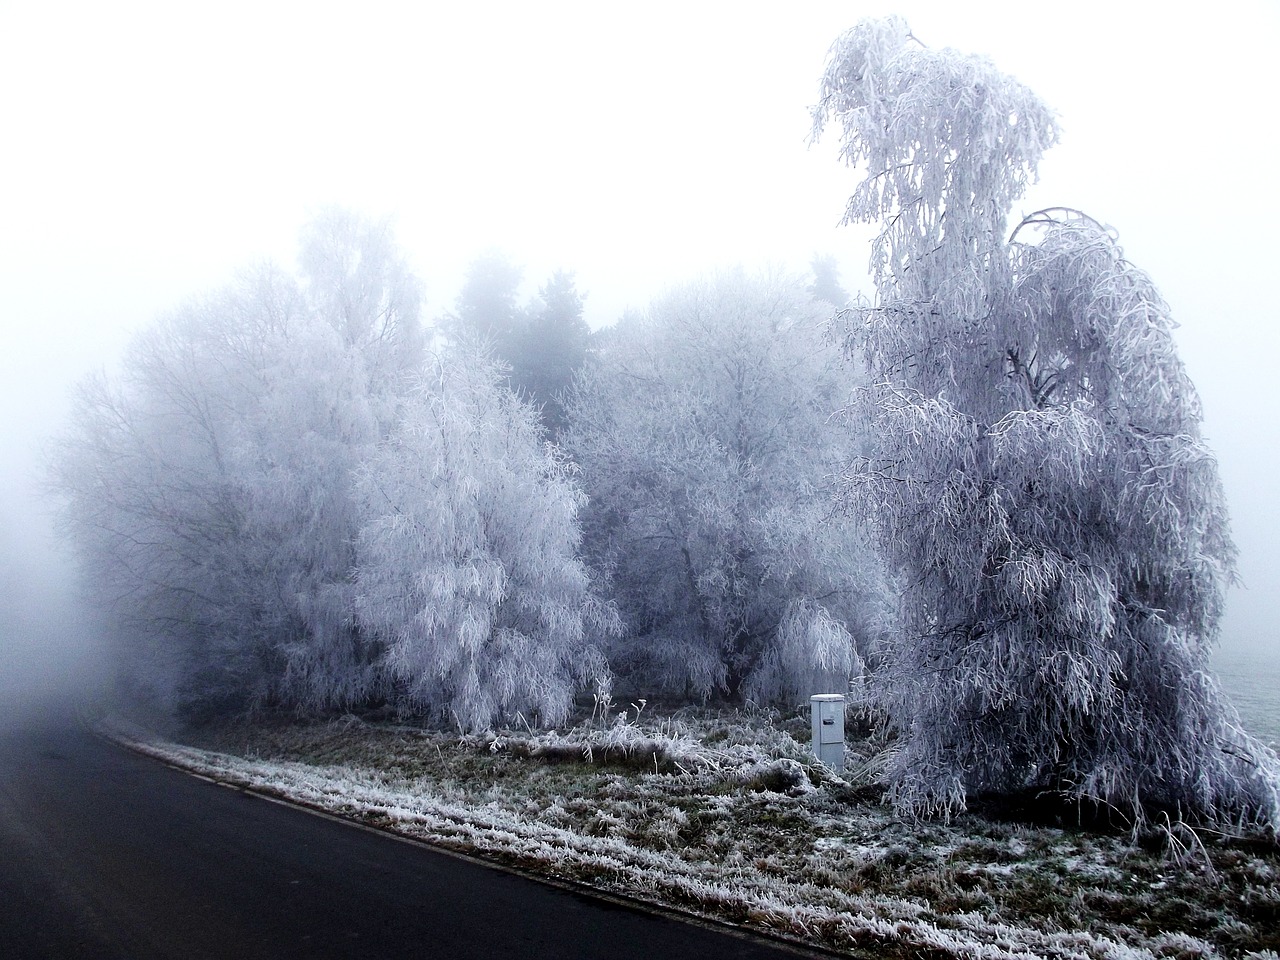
[828, 728]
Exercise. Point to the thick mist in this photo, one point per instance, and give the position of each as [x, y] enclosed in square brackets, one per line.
[54, 658]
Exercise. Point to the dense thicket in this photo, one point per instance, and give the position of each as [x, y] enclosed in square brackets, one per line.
[704, 436]
[1038, 477]
[212, 492]
[200, 489]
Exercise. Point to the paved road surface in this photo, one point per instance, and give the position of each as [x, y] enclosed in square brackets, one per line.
[106, 854]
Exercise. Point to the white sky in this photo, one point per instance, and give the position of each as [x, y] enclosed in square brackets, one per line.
[149, 150]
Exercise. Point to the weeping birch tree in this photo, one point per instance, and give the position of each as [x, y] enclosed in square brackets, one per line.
[468, 572]
[1039, 476]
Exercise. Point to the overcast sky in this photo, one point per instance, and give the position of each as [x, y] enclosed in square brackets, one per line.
[149, 150]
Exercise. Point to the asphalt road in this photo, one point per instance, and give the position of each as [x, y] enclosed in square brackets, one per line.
[106, 854]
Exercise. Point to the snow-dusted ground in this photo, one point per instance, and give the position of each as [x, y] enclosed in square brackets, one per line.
[726, 817]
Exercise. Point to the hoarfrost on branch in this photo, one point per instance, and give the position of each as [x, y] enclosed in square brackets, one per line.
[1038, 475]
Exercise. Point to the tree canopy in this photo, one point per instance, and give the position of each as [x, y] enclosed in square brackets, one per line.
[703, 434]
[468, 570]
[1038, 475]
[542, 344]
[278, 476]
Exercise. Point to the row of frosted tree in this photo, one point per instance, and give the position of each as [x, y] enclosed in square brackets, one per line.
[293, 498]
[981, 496]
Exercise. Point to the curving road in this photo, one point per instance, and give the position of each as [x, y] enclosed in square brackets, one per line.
[107, 854]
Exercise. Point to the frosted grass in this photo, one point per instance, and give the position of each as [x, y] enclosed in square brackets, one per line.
[728, 819]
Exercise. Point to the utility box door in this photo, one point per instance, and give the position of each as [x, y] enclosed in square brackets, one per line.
[828, 728]
[831, 722]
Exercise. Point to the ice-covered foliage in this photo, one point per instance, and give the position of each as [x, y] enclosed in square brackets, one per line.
[154, 502]
[300, 446]
[209, 489]
[468, 569]
[359, 283]
[335, 385]
[274, 450]
[1038, 477]
[704, 438]
[810, 652]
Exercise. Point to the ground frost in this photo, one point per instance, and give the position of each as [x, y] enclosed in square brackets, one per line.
[726, 816]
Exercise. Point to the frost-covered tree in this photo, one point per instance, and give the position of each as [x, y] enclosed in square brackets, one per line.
[209, 490]
[153, 500]
[294, 464]
[548, 348]
[336, 383]
[703, 432]
[542, 344]
[468, 568]
[1039, 477]
[487, 309]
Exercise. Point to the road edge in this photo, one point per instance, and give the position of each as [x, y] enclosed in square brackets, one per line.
[139, 742]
